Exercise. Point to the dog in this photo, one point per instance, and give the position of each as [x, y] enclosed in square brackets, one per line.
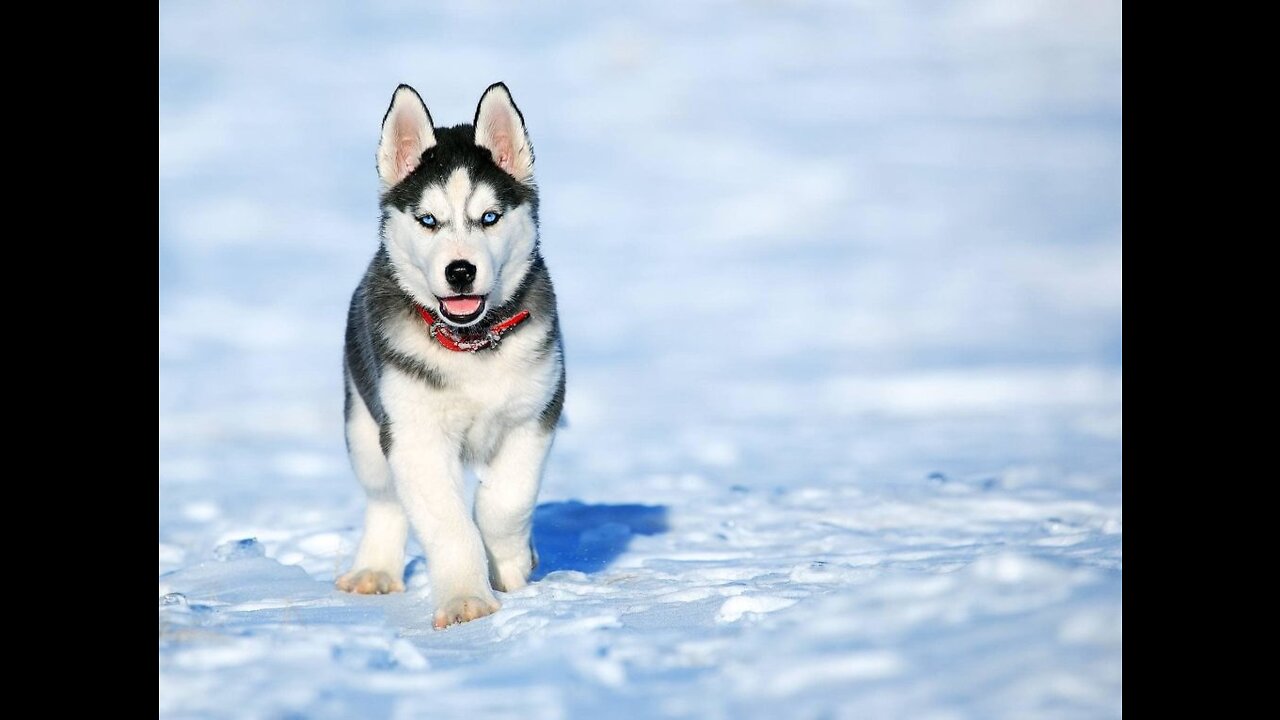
[453, 357]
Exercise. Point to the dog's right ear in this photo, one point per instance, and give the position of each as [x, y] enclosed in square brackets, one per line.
[406, 134]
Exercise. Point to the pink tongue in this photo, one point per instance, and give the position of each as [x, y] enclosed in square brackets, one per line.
[461, 306]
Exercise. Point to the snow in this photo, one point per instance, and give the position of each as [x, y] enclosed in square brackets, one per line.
[841, 290]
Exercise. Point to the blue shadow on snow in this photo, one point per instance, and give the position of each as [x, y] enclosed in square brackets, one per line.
[572, 535]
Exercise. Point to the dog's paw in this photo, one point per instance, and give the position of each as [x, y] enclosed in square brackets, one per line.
[369, 582]
[511, 575]
[463, 609]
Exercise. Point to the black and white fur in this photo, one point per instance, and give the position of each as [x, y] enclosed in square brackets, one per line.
[416, 413]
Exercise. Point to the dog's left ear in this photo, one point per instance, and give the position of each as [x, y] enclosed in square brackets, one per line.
[500, 130]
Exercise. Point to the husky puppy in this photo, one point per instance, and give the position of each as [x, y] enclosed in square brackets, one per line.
[453, 357]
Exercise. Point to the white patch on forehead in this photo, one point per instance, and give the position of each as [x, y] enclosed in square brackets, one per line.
[458, 188]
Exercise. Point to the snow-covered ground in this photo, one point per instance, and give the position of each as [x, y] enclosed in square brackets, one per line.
[841, 288]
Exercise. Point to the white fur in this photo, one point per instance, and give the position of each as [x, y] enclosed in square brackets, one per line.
[381, 550]
[505, 501]
[426, 466]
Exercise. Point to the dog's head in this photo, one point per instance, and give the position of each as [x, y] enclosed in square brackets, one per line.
[459, 206]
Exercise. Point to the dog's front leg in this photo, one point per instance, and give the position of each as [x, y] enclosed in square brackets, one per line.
[427, 471]
[505, 502]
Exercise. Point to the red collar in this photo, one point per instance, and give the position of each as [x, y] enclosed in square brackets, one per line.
[450, 340]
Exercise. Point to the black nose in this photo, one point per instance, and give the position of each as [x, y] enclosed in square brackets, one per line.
[460, 274]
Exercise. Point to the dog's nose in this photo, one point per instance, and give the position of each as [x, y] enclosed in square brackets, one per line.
[460, 274]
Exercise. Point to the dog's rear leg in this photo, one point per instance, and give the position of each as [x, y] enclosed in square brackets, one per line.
[505, 501]
[379, 563]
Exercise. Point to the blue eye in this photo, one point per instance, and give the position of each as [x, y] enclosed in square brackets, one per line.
[490, 218]
[428, 220]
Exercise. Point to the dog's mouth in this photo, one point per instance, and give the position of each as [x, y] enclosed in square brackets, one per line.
[462, 309]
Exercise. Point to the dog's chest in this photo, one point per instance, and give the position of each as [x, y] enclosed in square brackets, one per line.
[488, 397]
[485, 394]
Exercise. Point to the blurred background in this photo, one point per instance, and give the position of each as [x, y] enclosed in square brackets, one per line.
[823, 268]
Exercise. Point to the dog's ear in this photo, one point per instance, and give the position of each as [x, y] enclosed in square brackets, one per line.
[500, 130]
[406, 134]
